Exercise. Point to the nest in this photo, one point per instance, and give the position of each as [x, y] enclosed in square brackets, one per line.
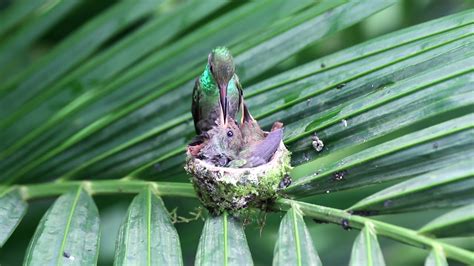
[234, 189]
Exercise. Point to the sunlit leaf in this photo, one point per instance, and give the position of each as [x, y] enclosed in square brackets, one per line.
[67, 234]
[147, 236]
[223, 242]
[366, 249]
[12, 210]
[436, 258]
[294, 245]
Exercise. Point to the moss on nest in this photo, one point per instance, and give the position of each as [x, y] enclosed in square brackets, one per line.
[234, 189]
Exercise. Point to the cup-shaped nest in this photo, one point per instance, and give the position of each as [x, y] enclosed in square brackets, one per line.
[234, 189]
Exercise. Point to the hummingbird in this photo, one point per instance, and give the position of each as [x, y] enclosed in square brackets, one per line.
[258, 147]
[217, 87]
[223, 143]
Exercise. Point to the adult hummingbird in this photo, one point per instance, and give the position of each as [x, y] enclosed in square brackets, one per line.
[217, 87]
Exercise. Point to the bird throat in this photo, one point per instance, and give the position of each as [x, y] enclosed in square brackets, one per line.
[208, 84]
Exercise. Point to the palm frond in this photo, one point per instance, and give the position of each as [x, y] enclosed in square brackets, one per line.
[111, 101]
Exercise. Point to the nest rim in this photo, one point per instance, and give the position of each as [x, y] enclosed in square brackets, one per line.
[281, 150]
[234, 189]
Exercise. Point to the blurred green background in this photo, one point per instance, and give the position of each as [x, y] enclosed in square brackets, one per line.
[332, 242]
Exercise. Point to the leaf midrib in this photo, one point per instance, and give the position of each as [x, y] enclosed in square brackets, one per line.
[68, 224]
[226, 251]
[297, 237]
[148, 223]
[369, 245]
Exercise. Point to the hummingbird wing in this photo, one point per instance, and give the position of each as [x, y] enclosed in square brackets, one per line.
[241, 92]
[263, 151]
[195, 108]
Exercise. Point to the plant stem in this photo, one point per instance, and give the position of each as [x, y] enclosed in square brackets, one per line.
[332, 215]
[33, 191]
[401, 234]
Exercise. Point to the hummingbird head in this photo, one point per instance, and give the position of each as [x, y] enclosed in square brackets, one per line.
[224, 143]
[250, 130]
[221, 65]
[227, 136]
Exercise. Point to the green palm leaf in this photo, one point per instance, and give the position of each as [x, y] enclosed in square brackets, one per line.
[159, 65]
[147, 236]
[320, 106]
[111, 101]
[83, 43]
[13, 45]
[429, 190]
[458, 222]
[67, 233]
[294, 245]
[223, 242]
[19, 11]
[436, 258]
[12, 210]
[366, 249]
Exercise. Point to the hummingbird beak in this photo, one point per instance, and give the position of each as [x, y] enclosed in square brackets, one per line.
[223, 101]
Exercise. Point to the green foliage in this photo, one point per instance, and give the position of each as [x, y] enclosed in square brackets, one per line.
[223, 242]
[12, 211]
[436, 258]
[68, 232]
[458, 222]
[294, 245]
[109, 99]
[366, 250]
[147, 235]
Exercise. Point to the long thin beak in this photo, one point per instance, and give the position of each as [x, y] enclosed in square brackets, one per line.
[246, 116]
[223, 101]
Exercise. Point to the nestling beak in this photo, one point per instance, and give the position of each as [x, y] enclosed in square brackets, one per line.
[246, 116]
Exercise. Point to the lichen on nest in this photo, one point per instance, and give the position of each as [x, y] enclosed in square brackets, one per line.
[236, 189]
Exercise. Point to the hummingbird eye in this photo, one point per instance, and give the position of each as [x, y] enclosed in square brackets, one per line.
[230, 134]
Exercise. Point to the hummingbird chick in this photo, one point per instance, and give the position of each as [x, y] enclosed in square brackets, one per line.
[261, 152]
[231, 145]
[258, 146]
[223, 144]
